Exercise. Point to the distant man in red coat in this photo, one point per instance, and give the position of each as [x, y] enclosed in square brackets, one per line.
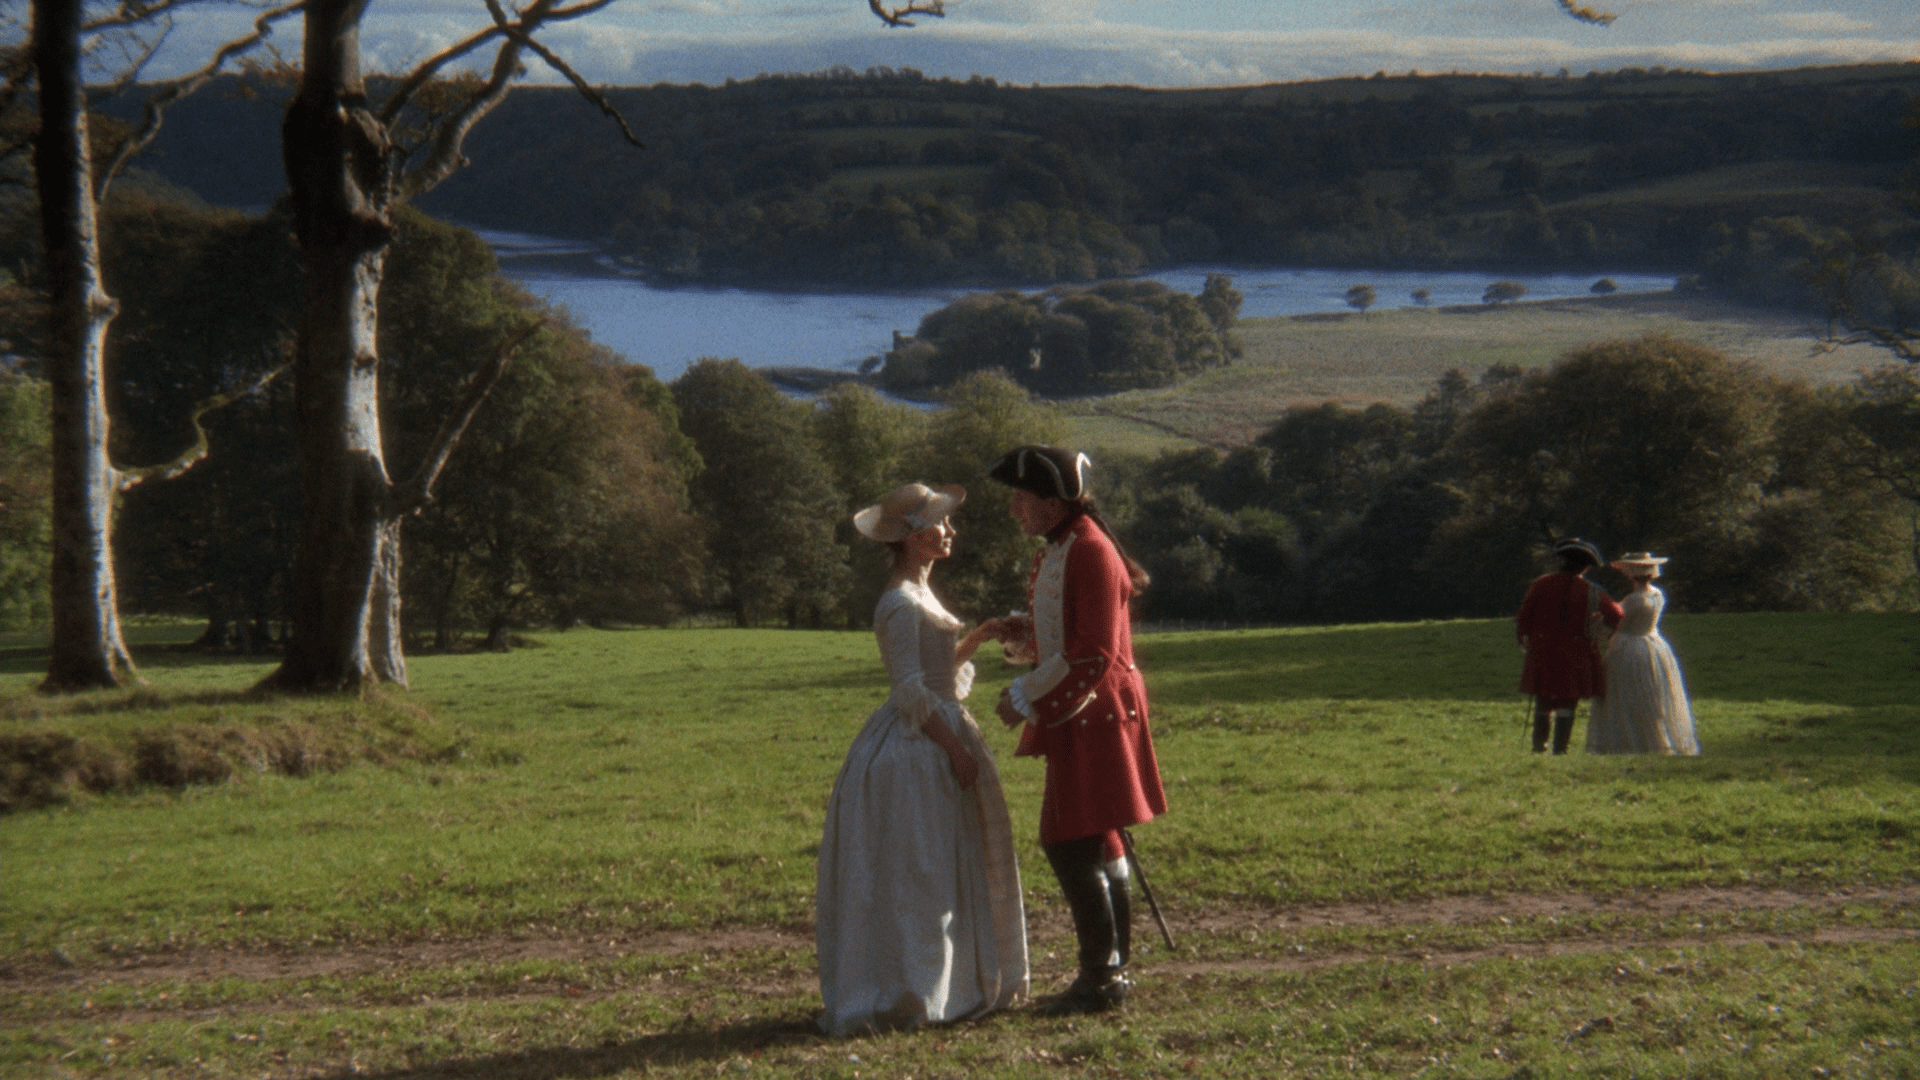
[1084, 708]
[1563, 664]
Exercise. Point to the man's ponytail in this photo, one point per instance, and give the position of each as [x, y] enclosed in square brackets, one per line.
[1136, 573]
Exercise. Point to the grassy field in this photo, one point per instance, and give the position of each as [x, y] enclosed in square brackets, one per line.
[1395, 354]
[599, 862]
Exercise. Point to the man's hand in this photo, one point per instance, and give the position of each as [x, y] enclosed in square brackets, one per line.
[1009, 715]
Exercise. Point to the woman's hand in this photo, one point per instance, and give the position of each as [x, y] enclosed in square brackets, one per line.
[964, 649]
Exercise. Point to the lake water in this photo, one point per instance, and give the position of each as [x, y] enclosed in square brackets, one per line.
[669, 328]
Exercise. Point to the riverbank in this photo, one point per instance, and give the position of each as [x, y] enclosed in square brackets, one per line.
[1395, 356]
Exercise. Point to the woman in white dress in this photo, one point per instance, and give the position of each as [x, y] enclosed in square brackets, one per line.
[1645, 709]
[918, 914]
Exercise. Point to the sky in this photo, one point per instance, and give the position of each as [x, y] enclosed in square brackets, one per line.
[1160, 43]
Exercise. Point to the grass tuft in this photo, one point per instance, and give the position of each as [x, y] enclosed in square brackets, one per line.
[54, 750]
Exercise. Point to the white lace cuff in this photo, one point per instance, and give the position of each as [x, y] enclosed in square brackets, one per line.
[1018, 695]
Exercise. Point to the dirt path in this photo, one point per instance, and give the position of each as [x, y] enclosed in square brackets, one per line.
[1047, 929]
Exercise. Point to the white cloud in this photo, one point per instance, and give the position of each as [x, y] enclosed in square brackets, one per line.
[644, 41]
[1817, 22]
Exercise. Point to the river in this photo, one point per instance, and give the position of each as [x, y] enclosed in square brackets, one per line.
[669, 328]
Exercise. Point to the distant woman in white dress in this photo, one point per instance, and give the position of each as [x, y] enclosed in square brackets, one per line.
[918, 914]
[1645, 709]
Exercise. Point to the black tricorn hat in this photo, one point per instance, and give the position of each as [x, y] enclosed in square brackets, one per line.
[1574, 544]
[1048, 471]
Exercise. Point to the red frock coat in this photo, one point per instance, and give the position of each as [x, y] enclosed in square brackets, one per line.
[1562, 662]
[1091, 725]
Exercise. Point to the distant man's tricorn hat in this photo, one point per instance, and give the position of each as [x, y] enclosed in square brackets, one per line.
[1047, 471]
[1574, 544]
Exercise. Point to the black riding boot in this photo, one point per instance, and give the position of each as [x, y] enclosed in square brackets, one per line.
[1562, 730]
[1120, 902]
[1079, 867]
[1542, 726]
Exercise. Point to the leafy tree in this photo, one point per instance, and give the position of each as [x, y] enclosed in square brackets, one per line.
[206, 302]
[767, 495]
[1503, 292]
[1821, 536]
[1206, 562]
[1221, 302]
[87, 649]
[350, 166]
[1360, 297]
[871, 446]
[1327, 462]
[568, 501]
[1646, 443]
[985, 415]
[1884, 419]
[1520, 174]
[1108, 337]
[26, 533]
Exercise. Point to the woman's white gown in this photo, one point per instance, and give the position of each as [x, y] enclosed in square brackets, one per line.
[919, 916]
[1645, 709]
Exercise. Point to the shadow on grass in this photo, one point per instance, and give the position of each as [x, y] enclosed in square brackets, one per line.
[32, 659]
[667, 1049]
[142, 699]
[1853, 659]
[1816, 745]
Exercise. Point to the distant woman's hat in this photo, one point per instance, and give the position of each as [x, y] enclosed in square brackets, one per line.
[1645, 561]
[1047, 471]
[1574, 544]
[908, 509]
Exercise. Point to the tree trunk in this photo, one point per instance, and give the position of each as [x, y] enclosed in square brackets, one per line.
[344, 595]
[87, 649]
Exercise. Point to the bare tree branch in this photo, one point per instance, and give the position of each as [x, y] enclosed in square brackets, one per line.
[1587, 14]
[431, 66]
[193, 455]
[1904, 343]
[130, 71]
[564, 14]
[414, 495]
[451, 132]
[898, 16]
[132, 13]
[592, 94]
[178, 88]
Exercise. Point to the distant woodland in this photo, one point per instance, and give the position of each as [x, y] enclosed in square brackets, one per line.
[890, 178]
[588, 490]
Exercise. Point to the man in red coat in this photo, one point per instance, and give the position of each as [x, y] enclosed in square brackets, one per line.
[1084, 708]
[1554, 627]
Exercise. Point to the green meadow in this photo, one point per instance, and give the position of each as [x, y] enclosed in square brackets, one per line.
[600, 849]
[1395, 353]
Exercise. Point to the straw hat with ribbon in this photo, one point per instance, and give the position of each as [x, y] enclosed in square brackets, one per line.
[1639, 564]
[908, 509]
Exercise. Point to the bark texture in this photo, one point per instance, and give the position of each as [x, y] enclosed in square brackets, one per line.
[87, 649]
[344, 603]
